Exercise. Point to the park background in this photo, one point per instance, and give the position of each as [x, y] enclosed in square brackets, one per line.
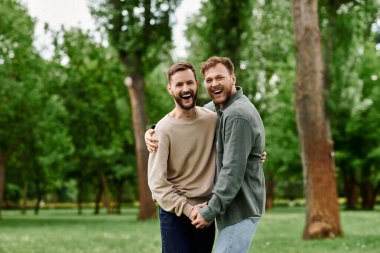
[73, 110]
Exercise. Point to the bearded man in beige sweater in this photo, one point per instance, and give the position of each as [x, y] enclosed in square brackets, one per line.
[181, 172]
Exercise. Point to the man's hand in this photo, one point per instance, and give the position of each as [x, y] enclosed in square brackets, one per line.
[194, 211]
[199, 222]
[151, 143]
[263, 157]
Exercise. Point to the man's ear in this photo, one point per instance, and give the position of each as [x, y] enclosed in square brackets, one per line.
[233, 78]
[169, 88]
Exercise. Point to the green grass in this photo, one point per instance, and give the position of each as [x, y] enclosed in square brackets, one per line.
[63, 230]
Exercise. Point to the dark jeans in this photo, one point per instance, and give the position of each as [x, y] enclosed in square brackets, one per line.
[178, 235]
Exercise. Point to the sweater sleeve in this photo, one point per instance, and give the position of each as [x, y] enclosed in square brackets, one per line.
[163, 190]
[237, 147]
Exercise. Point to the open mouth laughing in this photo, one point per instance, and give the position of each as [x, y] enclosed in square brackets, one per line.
[216, 92]
[186, 96]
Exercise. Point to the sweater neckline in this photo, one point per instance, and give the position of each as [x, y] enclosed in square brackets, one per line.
[185, 120]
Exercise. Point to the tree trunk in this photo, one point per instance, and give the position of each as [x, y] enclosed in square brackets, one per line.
[351, 190]
[119, 195]
[136, 93]
[80, 196]
[37, 205]
[2, 182]
[270, 185]
[39, 198]
[98, 198]
[367, 190]
[322, 209]
[24, 197]
[368, 196]
[106, 192]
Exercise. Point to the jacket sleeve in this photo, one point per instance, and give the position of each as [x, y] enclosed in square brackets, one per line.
[163, 190]
[237, 147]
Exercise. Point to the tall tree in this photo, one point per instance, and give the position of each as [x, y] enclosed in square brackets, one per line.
[15, 27]
[140, 30]
[348, 39]
[30, 114]
[99, 114]
[322, 209]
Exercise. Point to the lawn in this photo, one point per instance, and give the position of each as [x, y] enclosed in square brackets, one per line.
[58, 231]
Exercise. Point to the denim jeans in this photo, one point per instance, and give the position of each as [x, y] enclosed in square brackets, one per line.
[236, 238]
[179, 235]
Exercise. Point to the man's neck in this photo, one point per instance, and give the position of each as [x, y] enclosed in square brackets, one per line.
[180, 113]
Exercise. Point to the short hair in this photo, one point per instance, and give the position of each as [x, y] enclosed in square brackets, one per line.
[214, 60]
[180, 66]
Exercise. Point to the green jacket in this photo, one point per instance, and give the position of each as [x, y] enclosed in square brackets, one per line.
[239, 192]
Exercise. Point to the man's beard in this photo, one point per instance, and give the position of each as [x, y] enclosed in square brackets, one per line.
[220, 101]
[186, 107]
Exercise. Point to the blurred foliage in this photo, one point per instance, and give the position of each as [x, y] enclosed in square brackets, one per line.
[141, 37]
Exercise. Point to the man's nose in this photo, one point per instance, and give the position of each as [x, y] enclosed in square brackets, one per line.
[186, 87]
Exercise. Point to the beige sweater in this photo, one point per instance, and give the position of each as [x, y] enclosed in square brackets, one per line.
[181, 172]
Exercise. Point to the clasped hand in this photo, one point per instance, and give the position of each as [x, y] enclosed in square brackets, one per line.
[196, 218]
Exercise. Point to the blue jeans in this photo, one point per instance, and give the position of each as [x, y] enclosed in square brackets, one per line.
[236, 238]
[179, 235]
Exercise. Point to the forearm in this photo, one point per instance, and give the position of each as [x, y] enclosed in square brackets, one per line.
[172, 202]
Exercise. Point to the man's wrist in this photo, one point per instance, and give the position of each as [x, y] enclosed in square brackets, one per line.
[207, 214]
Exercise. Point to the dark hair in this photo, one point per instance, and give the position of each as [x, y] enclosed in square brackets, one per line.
[180, 66]
[214, 60]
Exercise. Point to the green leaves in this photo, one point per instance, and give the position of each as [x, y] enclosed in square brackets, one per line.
[139, 29]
